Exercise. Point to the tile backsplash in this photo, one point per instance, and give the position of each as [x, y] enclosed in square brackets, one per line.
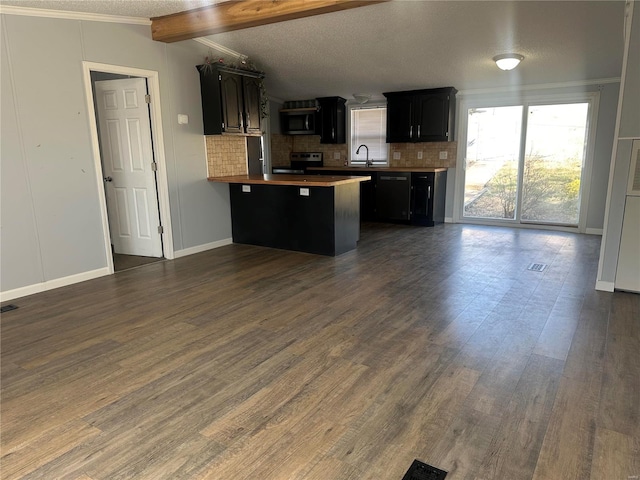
[226, 155]
[283, 145]
[430, 154]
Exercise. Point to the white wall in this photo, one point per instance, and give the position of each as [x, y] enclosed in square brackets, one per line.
[51, 226]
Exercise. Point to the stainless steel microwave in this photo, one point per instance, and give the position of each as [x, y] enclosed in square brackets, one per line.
[298, 121]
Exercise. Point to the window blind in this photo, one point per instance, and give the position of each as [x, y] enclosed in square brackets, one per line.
[369, 127]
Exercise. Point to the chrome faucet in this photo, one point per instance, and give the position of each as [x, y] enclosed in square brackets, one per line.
[368, 163]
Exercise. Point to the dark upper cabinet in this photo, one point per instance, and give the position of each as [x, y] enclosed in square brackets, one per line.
[251, 88]
[230, 101]
[399, 118]
[421, 115]
[331, 120]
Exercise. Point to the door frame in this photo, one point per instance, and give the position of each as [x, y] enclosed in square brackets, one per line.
[526, 99]
[157, 140]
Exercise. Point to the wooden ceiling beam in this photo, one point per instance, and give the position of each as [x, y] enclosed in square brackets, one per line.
[239, 14]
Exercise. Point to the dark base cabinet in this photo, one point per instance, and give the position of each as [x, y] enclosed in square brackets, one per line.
[414, 198]
[428, 198]
[326, 222]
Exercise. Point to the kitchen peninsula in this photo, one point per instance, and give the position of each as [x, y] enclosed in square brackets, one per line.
[309, 213]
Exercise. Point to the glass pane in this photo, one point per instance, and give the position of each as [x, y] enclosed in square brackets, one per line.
[369, 127]
[554, 154]
[491, 175]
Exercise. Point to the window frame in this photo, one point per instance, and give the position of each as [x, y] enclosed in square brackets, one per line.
[526, 99]
[358, 106]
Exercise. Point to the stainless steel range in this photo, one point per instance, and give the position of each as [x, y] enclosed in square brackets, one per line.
[299, 162]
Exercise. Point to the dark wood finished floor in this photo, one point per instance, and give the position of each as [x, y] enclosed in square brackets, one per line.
[125, 262]
[251, 363]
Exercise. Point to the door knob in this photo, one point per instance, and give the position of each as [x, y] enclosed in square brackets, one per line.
[108, 179]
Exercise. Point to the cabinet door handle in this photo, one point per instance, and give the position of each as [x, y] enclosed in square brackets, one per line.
[306, 122]
[411, 132]
[418, 131]
[429, 192]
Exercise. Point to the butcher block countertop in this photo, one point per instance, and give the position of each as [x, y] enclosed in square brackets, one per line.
[382, 169]
[294, 180]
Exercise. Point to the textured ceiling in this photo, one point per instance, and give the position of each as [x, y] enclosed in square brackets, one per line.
[404, 44]
[125, 8]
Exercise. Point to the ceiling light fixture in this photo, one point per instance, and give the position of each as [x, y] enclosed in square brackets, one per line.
[362, 98]
[508, 61]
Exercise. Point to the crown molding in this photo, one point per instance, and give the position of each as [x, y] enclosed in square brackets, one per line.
[220, 48]
[541, 86]
[63, 14]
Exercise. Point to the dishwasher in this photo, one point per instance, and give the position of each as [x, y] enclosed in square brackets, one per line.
[393, 196]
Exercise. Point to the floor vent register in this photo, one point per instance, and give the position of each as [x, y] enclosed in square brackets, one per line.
[537, 267]
[8, 308]
[421, 471]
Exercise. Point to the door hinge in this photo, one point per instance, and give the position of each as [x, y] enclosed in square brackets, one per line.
[147, 98]
[154, 167]
[160, 229]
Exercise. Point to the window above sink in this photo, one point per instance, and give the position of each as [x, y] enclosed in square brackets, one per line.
[368, 126]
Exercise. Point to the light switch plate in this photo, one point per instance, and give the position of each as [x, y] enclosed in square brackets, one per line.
[304, 192]
[246, 188]
[444, 155]
[396, 155]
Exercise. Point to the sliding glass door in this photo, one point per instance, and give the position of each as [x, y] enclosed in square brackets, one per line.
[524, 163]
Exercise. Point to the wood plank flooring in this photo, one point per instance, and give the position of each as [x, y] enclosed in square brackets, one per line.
[252, 363]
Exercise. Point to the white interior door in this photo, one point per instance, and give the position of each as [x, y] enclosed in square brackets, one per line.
[127, 162]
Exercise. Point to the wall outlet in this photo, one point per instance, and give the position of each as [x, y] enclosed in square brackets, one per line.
[444, 155]
[396, 155]
[246, 188]
[336, 155]
[304, 192]
[419, 155]
[183, 119]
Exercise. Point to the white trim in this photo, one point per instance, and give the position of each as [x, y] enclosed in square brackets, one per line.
[374, 104]
[614, 152]
[220, 48]
[89, 17]
[541, 86]
[448, 220]
[593, 231]
[202, 248]
[158, 149]
[55, 283]
[513, 224]
[605, 286]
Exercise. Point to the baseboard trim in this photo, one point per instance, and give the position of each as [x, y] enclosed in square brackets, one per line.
[51, 284]
[593, 231]
[605, 286]
[202, 248]
[448, 219]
